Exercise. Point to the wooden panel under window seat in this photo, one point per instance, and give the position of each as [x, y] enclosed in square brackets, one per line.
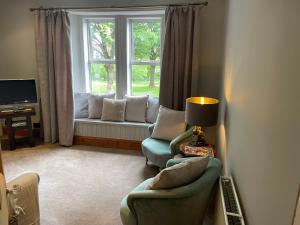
[108, 143]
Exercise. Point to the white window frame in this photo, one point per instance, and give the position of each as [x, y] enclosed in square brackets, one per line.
[122, 60]
[130, 52]
[89, 59]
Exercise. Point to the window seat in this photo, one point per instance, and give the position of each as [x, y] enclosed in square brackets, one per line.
[97, 128]
[109, 134]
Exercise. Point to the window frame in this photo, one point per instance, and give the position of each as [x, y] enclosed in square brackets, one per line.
[89, 35]
[90, 59]
[131, 61]
[122, 60]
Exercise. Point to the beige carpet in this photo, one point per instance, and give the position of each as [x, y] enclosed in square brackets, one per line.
[79, 185]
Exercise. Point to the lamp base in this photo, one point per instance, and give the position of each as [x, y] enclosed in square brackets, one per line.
[198, 138]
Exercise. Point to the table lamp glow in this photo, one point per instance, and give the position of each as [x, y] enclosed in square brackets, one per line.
[201, 112]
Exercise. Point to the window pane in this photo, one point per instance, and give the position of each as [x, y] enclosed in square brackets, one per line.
[146, 40]
[145, 79]
[102, 40]
[103, 78]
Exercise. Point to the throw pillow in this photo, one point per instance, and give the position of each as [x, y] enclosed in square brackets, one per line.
[81, 105]
[180, 174]
[136, 108]
[96, 103]
[169, 124]
[152, 110]
[113, 110]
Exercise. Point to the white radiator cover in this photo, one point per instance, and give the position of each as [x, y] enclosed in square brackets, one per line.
[221, 214]
[115, 130]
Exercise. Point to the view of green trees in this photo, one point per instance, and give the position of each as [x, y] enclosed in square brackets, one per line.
[145, 57]
[102, 48]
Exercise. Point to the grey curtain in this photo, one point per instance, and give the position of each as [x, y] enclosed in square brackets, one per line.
[52, 30]
[180, 61]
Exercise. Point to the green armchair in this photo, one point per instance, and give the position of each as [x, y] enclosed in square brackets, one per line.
[160, 151]
[184, 205]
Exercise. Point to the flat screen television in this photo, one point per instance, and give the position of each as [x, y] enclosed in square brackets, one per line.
[17, 92]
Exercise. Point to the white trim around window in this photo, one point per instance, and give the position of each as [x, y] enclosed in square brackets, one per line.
[123, 48]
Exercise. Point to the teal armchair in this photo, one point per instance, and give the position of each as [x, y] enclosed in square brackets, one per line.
[184, 205]
[160, 151]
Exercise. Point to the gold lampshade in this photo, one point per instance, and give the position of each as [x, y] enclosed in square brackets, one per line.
[201, 111]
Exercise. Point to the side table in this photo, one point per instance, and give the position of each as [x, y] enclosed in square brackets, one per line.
[13, 125]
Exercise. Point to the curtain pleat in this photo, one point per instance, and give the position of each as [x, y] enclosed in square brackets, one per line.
[52, 31]
[180, 60]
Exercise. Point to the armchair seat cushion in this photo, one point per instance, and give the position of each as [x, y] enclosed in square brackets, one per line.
[160, 151]
[157, 151]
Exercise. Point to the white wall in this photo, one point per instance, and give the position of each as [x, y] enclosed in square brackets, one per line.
[259, 136]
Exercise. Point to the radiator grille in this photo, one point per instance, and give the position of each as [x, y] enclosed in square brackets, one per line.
[232, 210]
[233, 220]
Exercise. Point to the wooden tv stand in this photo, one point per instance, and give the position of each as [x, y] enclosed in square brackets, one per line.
[13, 125]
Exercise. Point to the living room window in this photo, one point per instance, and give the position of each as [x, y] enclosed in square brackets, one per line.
[121, 52]
[144, 59]
[101, 55]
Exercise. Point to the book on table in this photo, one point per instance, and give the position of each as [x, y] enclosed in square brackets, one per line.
[189, 150]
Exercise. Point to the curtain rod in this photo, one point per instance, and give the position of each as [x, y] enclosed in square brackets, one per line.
[115, 7]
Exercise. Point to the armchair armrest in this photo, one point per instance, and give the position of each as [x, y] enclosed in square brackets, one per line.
[157, 207]
[184, 137]
[151, 128]
[3, 202]
[27, 198]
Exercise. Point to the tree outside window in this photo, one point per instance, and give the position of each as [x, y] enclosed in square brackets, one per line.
[144, 55]
[102, 56]
[145, 59]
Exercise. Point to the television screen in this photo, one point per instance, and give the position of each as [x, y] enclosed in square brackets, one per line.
[17, 92]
